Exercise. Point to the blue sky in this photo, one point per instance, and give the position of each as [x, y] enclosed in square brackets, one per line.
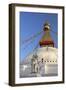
[30, 24]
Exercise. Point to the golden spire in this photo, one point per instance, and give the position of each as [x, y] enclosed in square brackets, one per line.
[46, 39]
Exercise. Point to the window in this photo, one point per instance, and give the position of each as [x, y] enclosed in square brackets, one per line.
[42, 60]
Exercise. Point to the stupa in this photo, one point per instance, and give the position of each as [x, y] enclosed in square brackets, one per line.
[43, 61]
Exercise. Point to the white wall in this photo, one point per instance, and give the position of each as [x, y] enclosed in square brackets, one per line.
[4, 45]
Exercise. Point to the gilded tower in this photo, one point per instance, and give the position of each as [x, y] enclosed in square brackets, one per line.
[46, 39]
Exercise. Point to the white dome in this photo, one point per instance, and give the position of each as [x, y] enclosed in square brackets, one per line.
[48, 54]
[49, 66]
